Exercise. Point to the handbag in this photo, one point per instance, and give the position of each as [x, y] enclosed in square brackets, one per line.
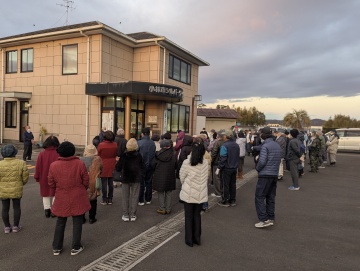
[117, 176]
[98, 184]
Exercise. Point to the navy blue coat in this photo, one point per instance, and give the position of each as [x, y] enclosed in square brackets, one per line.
[147, 150]
[269, 159]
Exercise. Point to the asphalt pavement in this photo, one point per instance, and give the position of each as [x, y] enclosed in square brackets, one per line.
[316, 228]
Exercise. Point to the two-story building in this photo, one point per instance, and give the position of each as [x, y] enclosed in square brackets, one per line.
[75, 79]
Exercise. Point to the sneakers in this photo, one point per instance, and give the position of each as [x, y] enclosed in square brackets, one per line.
[125, 218]
[7, 229]
[92, 221]
[223, 203]
[322, 166]
[214, 195]
[109, 202]
[103, 202]
[16, 228]
[162, 212]
[132, 218]
[270, 221]
[148, 202]
[293, 188]
[141, 203]
[233, 204]
[76, 251]
[56, 252]
[280, 178]
[263, 224]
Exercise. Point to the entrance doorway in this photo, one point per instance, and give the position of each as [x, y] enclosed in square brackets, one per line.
[24, 118]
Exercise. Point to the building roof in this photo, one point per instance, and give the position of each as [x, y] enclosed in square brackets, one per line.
[218, 113]
[134, 40]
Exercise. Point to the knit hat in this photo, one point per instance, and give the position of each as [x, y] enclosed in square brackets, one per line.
[131, 145]
[294, 133]
[66, 149]
[8, 151]
[166, 143]
[90, 150]
[266, 130]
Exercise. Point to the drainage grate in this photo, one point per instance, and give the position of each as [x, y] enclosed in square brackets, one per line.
[135, 250]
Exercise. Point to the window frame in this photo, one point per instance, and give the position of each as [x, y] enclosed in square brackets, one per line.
[27, 63]
[8, 71]
[172, 60]
[170, 117]
[11, 118]
[77, 59]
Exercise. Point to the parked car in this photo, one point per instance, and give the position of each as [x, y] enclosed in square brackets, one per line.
[349, 139]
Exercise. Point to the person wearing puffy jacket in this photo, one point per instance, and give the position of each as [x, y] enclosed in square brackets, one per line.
[194, 190]
[13, 176]
[267, 168]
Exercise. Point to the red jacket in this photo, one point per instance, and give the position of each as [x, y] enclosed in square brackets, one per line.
[70, 179]
[43, 162]
[108, 152]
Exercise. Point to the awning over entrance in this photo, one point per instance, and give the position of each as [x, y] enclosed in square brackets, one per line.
[137, 90]
[16, 95]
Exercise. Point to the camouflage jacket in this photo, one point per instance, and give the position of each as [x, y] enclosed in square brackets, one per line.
[315, 146]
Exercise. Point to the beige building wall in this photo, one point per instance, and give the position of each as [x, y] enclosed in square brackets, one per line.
[219, 124]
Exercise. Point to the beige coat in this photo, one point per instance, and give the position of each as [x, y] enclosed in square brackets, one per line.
[194, 180]
[332, 144]
[13, 176]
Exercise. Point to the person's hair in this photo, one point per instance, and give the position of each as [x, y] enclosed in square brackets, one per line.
[96, 141]
[51, 141]
[155, 137]
[146, 131]
[167, 135]
[109, 136]
[66, 149]
[197, 151]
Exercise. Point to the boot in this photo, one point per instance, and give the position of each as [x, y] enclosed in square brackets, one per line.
[47, 212]
[240, 175]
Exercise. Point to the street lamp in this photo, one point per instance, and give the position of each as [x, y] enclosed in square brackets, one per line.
[196, 98]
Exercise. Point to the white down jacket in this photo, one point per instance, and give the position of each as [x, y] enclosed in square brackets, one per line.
[194, 180]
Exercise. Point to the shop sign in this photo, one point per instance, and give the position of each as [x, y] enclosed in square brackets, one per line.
[166, 90]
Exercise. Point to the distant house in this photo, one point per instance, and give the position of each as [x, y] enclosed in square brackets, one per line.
[216, 119]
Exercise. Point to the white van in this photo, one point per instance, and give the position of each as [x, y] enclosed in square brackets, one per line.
[349, 139]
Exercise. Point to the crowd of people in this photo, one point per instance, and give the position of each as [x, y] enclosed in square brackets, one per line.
[70, 185]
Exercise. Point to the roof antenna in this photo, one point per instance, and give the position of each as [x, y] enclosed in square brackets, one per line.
[68, 4]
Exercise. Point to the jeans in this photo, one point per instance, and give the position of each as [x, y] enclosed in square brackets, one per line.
[192, 223]
[60, 229]
[130, 198]
[92, 211]
[165, 200]
[294, 171]
[218, 187]
[265, 198]
[229, 185]
[146, 186]
[27, 152]
[105, 182]
[6, 209]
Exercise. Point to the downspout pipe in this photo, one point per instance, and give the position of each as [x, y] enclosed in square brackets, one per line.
[87, 81]
[2, 90]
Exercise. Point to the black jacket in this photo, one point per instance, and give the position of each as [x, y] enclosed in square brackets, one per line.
[131, 166]
[164, 165]
[184, 151]
[121, 143]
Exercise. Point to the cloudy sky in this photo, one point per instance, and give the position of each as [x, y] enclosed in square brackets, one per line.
[277, 55]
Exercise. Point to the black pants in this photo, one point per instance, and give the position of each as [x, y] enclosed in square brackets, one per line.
[265, 198]
[27, 152]
[60, 229]
[229, 185]
[192, 223]
[92, 211]
[6, 209]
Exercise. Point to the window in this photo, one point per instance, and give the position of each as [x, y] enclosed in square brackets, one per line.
[179, 70]
[70, 59]
[11, 62]
[10, 114]
[178, 118]
[27, 60]
[353, 133]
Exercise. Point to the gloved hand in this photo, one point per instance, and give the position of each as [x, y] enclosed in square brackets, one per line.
[217, 171]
